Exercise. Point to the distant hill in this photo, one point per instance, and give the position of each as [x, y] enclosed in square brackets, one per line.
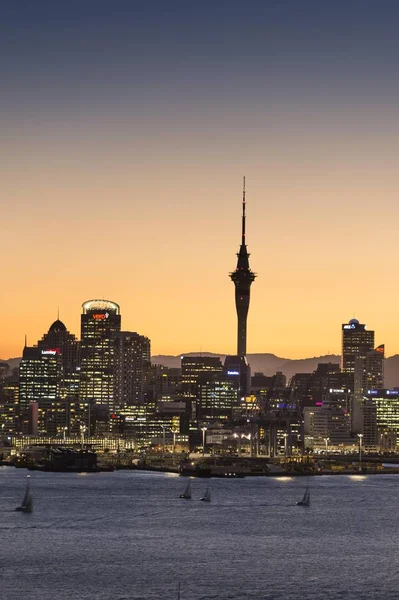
[270, 363]
[263, 363]
[12, 362]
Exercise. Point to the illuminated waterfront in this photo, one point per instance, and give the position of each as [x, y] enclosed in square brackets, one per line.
[126, 535]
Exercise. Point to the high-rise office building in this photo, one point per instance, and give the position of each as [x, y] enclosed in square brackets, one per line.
[100, 322]
[217, 396]
[69, 348]
[237, 366]
[355, 339]
[191, 368]
[59, 337]
[242, 278]
[368, 375]
[387, 406]
[40, 376]
[9, 404]
[132, 368]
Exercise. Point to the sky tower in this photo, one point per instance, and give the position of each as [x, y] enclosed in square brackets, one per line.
[242, 278]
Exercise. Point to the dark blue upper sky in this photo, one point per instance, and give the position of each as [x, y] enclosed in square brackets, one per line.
[54, 49]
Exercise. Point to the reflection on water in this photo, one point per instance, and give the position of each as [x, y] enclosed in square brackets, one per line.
[127, 536]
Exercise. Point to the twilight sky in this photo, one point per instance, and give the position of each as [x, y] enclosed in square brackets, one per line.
[126, 128]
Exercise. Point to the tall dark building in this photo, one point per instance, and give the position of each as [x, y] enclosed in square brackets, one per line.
[191, 369]
[242, 278]
[100, 322]
[59, 337]
[217, 396]
[355, 339]
[132, 367]
[40, 376]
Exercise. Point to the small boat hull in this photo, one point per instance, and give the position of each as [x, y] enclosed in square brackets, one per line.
[25, 509]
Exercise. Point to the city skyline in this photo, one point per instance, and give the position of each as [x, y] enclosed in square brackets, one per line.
[126, 134]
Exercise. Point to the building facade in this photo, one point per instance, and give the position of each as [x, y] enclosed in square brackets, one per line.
[40, 377]
[132, 368]
[355, 339]
[100, 322]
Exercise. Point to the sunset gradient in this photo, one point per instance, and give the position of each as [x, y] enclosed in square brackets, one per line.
[126, 130]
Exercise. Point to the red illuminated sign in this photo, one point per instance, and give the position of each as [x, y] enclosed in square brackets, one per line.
[100, 316]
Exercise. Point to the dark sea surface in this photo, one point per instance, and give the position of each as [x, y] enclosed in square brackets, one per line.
[127, 535]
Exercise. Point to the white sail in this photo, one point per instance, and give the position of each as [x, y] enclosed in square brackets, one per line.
[207, 496]
[187, 492]
[27, 502]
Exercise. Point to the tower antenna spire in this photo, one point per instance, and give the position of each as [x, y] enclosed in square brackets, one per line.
[243, 212]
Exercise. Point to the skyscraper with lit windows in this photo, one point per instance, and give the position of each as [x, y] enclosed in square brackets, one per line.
[100, 322]
[355, 339]
[132, 367]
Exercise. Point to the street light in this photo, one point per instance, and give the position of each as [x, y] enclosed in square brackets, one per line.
[326, 441]
[65, 429]
[250, 444]
[285, 443]
[82, 434]
[239, 436]
[174, 448]
[360, 436]
[203, 429]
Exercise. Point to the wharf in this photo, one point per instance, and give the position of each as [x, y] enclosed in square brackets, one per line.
[223, 467]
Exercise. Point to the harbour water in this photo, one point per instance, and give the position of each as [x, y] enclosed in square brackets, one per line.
[127, 536]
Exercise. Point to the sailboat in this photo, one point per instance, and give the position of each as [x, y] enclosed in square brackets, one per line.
[306, 497]
[27, 502]
[186, 495]
[207, 496]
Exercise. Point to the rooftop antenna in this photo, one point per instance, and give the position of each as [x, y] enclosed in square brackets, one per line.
[26, 340]
[58, 313]
[243, 212]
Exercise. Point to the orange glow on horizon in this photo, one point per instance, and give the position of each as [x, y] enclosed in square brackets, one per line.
[322, 239]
